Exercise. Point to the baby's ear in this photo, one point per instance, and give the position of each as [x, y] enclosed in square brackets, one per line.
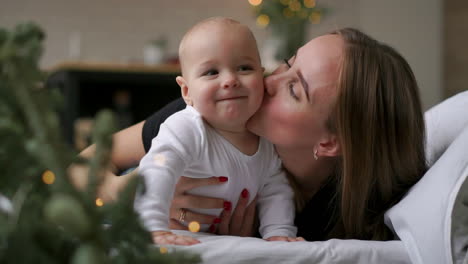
[184, 90]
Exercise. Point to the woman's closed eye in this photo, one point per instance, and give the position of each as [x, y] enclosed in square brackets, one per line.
[291, 84]
[292, 92]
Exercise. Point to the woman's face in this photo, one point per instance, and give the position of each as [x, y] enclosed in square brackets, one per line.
[298, 97]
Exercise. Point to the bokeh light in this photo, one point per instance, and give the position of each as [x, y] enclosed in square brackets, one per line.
[255, 2]
[315, 17]
[194, 226]
[263, 20]
[163, 250]
[295, 5]
[159, 159]
[99, 202]
[48, 177]
[309, 3]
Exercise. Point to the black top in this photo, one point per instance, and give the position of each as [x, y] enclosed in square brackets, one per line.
[312, 222]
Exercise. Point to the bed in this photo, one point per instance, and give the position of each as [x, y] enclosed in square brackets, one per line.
[431, 221]
[234, 250]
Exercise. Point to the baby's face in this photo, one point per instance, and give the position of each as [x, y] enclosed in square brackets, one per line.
[224, 76]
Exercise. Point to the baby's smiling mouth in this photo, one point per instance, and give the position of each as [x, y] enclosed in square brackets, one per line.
[227, 98]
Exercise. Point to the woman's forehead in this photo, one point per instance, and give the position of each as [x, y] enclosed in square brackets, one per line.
[319, 56]
[319, 61]
[327, 48]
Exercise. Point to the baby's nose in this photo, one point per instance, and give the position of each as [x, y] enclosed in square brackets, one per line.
[230, 81]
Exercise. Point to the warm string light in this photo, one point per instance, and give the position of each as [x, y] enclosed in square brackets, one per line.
[48, 177]
[295, 6]
[302, 9]
[315, 17]
[159, 159]
[163, 250]
[255, 2]
[99, 202]
[309, 3]
[194, 226]
[263, 20]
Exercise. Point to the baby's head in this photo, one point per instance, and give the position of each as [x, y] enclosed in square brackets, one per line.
[222, 76]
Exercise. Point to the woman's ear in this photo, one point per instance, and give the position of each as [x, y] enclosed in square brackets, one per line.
[184, 89]
[329, 147]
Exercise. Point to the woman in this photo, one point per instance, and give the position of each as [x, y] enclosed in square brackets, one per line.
[345, 117]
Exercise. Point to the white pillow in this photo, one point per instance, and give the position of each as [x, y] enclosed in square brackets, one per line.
[444, 122]
[422, 219]
[459, 228]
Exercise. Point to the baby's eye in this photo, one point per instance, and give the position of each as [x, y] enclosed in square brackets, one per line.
[210, 72]
[245, 68]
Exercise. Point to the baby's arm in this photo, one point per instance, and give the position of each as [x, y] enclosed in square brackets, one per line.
[171, 152]
[169, 238]
[276, 209]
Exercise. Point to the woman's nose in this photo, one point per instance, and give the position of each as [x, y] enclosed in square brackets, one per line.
[230, 81]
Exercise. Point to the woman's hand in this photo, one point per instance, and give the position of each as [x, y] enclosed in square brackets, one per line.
[183, 200]
[241, 221]
[237, 222]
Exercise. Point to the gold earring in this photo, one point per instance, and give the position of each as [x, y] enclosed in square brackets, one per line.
[315, 154]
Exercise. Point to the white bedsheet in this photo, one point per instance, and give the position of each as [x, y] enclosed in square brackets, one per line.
[230, 249]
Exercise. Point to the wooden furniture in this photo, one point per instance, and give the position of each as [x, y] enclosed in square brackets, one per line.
[133, 91]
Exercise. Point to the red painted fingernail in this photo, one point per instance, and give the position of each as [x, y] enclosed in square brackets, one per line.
[227, 206]
[212, 228]
[217, 220]
[223, 179]
[245, 193]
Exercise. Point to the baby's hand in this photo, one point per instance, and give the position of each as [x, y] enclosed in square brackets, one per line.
[283, 238]
[169, 238]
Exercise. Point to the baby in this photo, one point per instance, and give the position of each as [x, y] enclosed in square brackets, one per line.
[222, 84]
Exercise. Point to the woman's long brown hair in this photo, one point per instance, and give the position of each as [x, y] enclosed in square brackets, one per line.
[379, 123]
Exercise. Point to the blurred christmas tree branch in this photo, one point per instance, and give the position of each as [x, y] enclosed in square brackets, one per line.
[44, 218]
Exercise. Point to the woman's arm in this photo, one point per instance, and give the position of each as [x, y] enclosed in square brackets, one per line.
[129, 146]
[127, 151]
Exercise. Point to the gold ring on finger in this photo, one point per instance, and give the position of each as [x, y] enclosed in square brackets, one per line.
[182, 213]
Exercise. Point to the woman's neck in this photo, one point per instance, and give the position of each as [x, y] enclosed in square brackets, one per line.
[308, 173]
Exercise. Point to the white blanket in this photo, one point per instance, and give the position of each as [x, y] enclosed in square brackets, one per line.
[230, 249]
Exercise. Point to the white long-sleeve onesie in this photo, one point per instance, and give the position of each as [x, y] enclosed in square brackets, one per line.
[187, 146]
